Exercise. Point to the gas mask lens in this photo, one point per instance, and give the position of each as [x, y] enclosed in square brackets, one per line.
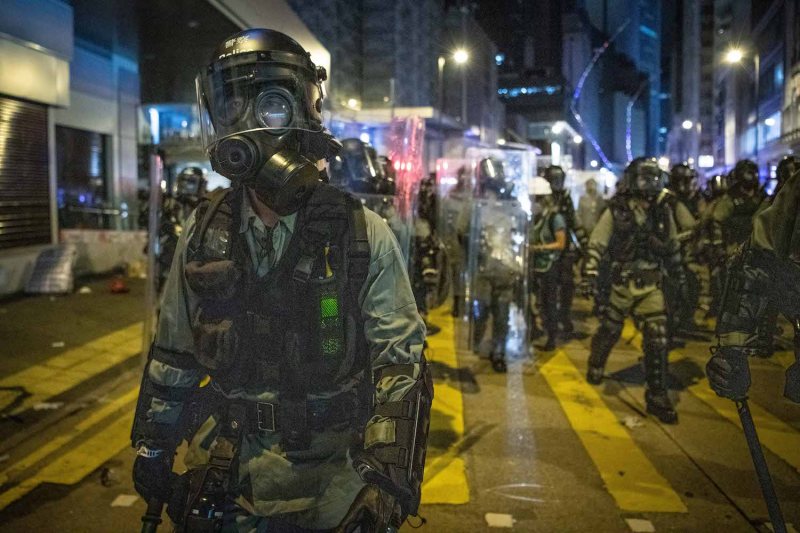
[273, 110]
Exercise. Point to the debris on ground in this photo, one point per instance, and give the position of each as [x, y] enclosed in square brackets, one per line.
[499, 520]
[85, 290]
[109, 477]
[58, 344]
[632, 422]
[124, 500]
[639, 525]
[48, 406]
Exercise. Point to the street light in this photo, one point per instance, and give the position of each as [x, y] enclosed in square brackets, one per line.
[687, 124]
[460, 56]
[577, 139]
[734, 56]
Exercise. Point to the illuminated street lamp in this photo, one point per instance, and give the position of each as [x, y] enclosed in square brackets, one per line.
[687, 124]
[577, 139]
[734, 56]
[460, 56]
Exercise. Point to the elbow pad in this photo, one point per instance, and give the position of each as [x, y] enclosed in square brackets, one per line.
[395, 440]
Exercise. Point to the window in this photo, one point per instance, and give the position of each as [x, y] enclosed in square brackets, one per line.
[81, 169]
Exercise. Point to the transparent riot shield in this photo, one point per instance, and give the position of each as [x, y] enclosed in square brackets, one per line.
[497, 287]
[153, 252]
[454, 188]
[358, 171]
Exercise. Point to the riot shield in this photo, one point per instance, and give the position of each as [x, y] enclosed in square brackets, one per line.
[358, 170]
[497, 286]
[454, 187]
[153, 252]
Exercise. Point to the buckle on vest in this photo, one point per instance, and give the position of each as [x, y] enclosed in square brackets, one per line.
[302, 271]
[266, 416]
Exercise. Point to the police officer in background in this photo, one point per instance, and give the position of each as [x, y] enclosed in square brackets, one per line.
[788, 165]
[683, 199]
[711, 252]
[639, 235]
[547, 241]
[764, 276]
[576, 239]
[497, 268]
[295, 300]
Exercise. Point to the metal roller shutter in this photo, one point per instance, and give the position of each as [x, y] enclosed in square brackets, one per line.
[24, 181]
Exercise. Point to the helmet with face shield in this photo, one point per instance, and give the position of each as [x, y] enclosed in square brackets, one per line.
[644, 178]
[683, 179]
[260, 102]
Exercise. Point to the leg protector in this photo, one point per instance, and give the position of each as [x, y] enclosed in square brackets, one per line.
[655, 352]
[501, 310]
[395, 439]
[603, 341]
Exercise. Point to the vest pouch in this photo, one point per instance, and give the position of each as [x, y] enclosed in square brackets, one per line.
[213, 280]
[216, 342]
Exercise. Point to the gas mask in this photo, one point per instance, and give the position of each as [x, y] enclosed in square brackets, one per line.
[260, 106]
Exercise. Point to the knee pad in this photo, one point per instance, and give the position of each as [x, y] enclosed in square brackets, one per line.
[655, 333]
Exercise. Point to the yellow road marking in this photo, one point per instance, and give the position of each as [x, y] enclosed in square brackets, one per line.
[641, 488]
[445, 474]
[68, 369]
[80, 460]
[775, 435]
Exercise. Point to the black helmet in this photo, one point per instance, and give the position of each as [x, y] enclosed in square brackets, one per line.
[555, 175]
[260, 103]
[716, 186]
[190, 185]
[744, 176]
[492, 177]
[643, 177]
[786, 168]
[683, 179]
[356, 169]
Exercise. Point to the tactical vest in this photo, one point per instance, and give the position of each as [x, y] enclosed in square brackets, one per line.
[738, 227]
[298, 329]
[631, 242]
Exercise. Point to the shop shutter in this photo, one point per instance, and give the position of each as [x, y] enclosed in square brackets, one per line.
[24, 182]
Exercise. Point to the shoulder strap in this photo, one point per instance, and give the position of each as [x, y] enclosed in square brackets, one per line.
[213, 200]
[358, 256]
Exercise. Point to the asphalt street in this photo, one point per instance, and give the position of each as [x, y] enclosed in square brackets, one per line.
[536, 449]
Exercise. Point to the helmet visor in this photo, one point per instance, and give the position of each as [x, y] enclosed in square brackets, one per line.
[247, 94]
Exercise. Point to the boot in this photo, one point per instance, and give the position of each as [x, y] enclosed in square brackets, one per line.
[498, 360]
[595, 374]
[550, 345]
[660, 406]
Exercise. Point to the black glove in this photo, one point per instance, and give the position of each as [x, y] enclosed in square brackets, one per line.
[791, 389]
[373, 510]
[153, 476]
[729, 372]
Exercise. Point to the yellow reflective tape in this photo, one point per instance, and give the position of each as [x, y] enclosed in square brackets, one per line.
[610, 447]
[445, 478]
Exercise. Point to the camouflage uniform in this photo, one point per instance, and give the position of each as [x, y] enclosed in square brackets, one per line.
[311, 488]
[766, 275]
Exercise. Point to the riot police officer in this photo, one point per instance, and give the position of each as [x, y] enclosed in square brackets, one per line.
[788, 165]
[547, 240]
[294, 299]
[639, 235]
[711, 252]
[496, 266]
[683, 199]
[764, 276]
[577, 239]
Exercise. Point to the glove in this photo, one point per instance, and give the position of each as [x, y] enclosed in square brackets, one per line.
[153, 476]
[791, 389]
[373, 510]
[728, 372]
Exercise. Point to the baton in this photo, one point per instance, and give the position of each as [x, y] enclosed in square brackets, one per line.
[760, 464]
[152, 517]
